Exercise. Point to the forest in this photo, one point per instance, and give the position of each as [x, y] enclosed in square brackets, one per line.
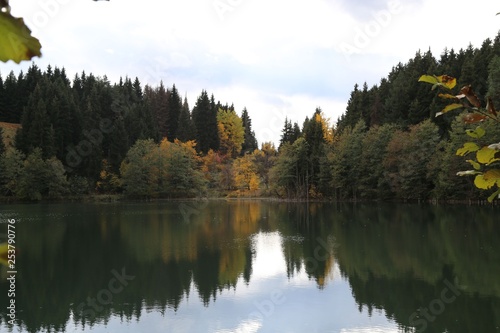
[86, 136]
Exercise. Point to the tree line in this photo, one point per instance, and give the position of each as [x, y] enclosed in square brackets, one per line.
[91, 136]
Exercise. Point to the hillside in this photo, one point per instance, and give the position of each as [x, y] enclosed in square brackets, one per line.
[9, 132]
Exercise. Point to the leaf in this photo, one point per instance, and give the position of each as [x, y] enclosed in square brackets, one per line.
[448, 96]
[447, 81]
[478, 133]
[471, 96]
[432, 79]
[495, 146]
[482, 183]
[491, 107]
[486, 156]
[493, 174]
[474, 164]
[494, 195]
[469, 147]
[16, 42]
[472, 118]
[468, 173]
[449, 108]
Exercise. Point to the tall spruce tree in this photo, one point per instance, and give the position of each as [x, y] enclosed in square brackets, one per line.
[250, 142]
[205, 121]
[185, 128]
[174, 107]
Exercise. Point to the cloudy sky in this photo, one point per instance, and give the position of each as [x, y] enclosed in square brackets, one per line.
[277, 58]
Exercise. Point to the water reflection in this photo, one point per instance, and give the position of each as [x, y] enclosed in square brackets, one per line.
[253, 266]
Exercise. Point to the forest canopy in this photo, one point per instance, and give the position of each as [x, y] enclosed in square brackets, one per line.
[89, 136]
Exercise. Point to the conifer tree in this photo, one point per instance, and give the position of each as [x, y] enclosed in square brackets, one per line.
[174, 106]
[185, 128]
[205, 122]
[250, 142]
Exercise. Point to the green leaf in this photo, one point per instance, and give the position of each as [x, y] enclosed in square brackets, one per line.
[16, 42]
[469, 147]
[449, 108]
[432, 79]
[486, 156]
[478, 133]
[494, 195]
[474, 164]
[483, 183]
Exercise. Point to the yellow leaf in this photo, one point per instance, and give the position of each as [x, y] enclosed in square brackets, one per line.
[449, 108]
[16, 42]
[428, 79]
[469, 147]
[492, 175]
[447, 81]
[447, 96]
[493, 196]
[486, 156]
[482, 183]
[474, 164]
[478, 133]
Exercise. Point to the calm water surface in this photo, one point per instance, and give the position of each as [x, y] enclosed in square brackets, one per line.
[249, 266]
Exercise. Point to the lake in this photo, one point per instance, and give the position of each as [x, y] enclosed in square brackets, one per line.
[252, 266]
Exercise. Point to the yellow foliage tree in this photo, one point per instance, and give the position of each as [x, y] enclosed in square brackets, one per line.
[231, 132]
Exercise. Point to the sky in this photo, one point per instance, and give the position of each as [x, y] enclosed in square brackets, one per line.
[277, 58]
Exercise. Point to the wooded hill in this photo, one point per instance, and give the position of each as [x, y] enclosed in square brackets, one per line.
[88, 135]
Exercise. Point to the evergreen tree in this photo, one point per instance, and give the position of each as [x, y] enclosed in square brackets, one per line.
[11, 103]
[250, 142]
[174, 107]
[205, 121]
[185, 128]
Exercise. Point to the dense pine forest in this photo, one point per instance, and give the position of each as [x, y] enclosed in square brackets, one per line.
[86, 135]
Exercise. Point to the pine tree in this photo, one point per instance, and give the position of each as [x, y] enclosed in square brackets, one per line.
[174, 106]
[205, 122]
[185, 128]
[250, 142]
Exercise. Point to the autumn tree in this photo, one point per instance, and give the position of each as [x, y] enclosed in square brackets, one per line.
[231, 132]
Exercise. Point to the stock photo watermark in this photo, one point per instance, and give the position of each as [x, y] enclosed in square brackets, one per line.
[222, 7]
[421, 318]
[365, 34]
[48, 9]
[116, 285]
[12, 271]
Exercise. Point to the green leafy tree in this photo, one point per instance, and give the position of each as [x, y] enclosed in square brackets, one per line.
[373, 185]
[345, 158]
[136, 168]
[41, 178]
[11, 165]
